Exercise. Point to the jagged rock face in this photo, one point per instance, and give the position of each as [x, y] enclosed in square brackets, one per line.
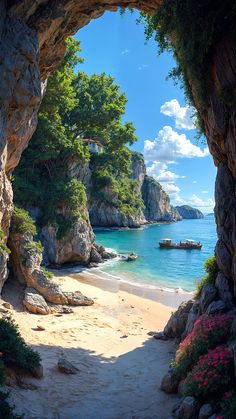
[75, 246]
[157, 202]
[32, 36]
[138, 168]
[187, 212]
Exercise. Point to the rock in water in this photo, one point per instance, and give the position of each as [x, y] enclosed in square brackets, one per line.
[66, 367]
[34, 302]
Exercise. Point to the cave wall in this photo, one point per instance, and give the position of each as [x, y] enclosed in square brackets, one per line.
[32, 38]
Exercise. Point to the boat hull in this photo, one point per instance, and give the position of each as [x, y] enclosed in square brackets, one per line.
[180, 246]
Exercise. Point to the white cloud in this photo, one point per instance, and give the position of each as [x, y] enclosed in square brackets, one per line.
[195, 181]
[205, 192]
[195, 201]
[141, 67]
[183, 116]
[170, 146]
[160, 172]
[125, 51]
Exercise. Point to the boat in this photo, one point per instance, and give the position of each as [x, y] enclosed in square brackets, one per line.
[131, 257]
[187, 244]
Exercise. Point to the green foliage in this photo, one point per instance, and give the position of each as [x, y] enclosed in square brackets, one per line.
[212, 270]
[34, 247]
[22, 223]
[46, 272]
[3, 246]
[15, 352]
[228, 405]
[191, 30]
[6, 411]
[75, 106]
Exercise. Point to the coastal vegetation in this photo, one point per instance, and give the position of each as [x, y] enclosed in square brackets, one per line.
[77, 106]
[211, 269]
[15, 354]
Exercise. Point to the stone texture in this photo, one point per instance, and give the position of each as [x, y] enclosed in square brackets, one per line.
[223, 288]
[178, 320]
[34, 302]
[216, 307]
[188, 409]
[205, 411]
[37, 372]
[192, 317]
[157, 202]
[66, 367]
[208, 294]
[75, 246]
[32, 37]
[187, 212]
[25, 265]
[169, 384]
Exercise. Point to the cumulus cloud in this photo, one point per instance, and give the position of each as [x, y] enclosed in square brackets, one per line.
[125, 51]
[160, 172]
[183, 116]
[197, 202]
[170, 146]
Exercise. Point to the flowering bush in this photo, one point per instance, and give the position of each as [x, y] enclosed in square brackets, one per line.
[206, 334]
[212, 373]
[228, 405]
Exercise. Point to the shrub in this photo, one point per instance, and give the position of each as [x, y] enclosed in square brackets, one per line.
[206, 334]
[34, 247]
[5, 409]
[228, 405]
[3, 246]
[22, 223]
[212, 270]
[211, 375]
[46, 272]
[15, 352]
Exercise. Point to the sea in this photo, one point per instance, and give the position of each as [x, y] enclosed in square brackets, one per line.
[167, 269]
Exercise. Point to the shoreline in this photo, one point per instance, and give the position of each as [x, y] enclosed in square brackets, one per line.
[168, 298]
[110, 345]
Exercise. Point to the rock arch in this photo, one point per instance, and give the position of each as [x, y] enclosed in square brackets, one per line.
[32, 38]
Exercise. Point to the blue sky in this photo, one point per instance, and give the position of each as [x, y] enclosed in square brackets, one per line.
[116, 44]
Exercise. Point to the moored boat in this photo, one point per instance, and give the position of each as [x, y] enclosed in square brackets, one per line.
[187, 244]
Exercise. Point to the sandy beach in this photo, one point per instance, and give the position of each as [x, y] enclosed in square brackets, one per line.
[120, 365]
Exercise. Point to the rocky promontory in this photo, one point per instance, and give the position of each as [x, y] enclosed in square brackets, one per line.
[187, 212]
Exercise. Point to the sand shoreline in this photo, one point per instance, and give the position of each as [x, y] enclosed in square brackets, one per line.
[170, 298]
[120, 365]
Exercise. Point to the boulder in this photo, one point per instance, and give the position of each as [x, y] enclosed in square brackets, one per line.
[208, 294]
[206, 411]
[188, 409]
[95, 257]
[178, 320]
[66, 367]
[34, 302]
[192, 317]
[216, 307]
[169, 384]
[77, 299]
[222, 285]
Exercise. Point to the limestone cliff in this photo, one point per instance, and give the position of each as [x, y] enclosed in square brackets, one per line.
[188, 212]
[32, 36]
[157, 202]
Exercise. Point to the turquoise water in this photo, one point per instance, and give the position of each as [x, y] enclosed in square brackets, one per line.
[167, 268]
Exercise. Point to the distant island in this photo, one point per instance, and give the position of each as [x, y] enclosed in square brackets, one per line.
[187, 212]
